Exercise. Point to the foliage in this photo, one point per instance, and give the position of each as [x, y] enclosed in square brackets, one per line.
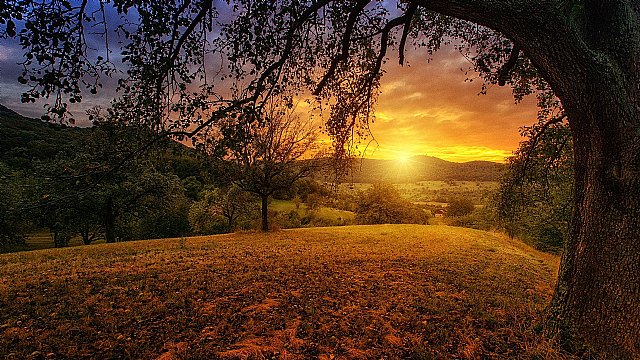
[13, 224]
[460, 207]
[302, 188]
[286, 214]
[480, 219]
[223, 210]
[535, 196]
[382, 204]
[93, 182]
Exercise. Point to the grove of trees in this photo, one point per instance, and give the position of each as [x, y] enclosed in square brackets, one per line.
[382, 204]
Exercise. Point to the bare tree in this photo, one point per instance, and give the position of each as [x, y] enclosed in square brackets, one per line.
[271, 153]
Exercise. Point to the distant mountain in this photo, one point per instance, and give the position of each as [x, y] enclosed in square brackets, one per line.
[422, 168]
[24, 140]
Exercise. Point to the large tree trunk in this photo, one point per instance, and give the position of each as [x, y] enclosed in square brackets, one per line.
[596, 306]
[591, 57]
[597, 300]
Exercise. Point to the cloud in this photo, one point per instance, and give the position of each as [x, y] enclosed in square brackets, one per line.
[428, 107]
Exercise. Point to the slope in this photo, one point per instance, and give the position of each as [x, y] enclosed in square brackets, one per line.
[422, 168]
[391, 291]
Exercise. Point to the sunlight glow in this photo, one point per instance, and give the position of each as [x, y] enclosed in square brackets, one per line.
[403, 157]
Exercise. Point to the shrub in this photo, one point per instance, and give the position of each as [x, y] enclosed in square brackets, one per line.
[382, 204]
[480, 219]
[460, 207]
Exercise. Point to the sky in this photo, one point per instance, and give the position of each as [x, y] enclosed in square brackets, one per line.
[425, 108]
[428, 108]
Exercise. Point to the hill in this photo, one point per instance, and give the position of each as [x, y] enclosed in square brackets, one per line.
[357, 292]
[422, 168]
[24, 140]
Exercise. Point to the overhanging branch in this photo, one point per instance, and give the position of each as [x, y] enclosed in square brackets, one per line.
[505, 72]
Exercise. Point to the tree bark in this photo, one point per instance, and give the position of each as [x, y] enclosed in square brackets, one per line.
[265, 212]
[593, 65]
[597, 301]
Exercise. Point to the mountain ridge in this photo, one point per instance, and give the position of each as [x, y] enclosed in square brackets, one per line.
[29, 139]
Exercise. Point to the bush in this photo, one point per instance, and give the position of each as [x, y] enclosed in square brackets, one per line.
[479, 219]
[382, 204]
[460, 207]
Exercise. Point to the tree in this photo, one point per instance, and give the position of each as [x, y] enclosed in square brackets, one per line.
[460, 207]
[266, 155]
[232, 204]
[382, 204]
[587, 53]
[535, 195]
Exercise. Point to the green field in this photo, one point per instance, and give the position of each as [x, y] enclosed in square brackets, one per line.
[436, 192]
[352, 292]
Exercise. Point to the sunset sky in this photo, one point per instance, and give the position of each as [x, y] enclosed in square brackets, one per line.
[428, 108]
[424, 109]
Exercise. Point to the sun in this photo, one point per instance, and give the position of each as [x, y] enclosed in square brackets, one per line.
[403, 157]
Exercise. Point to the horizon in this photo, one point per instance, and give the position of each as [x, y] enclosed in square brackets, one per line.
[445, 117]
[393, 155]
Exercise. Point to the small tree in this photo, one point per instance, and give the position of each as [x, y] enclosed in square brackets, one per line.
[382, 204]
[460, 207]
[266, 154]
[221, 210]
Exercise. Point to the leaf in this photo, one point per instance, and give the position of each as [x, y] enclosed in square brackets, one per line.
[11, 28]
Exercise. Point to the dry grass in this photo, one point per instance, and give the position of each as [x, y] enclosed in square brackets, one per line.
[359, 292]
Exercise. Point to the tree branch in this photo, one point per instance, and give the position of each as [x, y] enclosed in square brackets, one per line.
[288, 48]
[189, 30]
[346, 44]
[505, 71]
[405, 31]
[534, 142]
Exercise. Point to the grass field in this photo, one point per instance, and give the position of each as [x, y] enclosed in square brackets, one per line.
[354, 292]
[479, 192]
[323, 214]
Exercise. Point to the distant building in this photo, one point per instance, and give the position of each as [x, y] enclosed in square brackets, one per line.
[440, 213]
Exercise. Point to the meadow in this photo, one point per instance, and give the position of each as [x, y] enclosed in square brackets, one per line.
[352, 292]
[436, 192]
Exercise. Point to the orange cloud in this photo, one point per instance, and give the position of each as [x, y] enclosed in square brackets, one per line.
[429, 108]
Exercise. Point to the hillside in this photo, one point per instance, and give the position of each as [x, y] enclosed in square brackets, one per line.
[24, 140]
[422, 168]
[358, 292]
